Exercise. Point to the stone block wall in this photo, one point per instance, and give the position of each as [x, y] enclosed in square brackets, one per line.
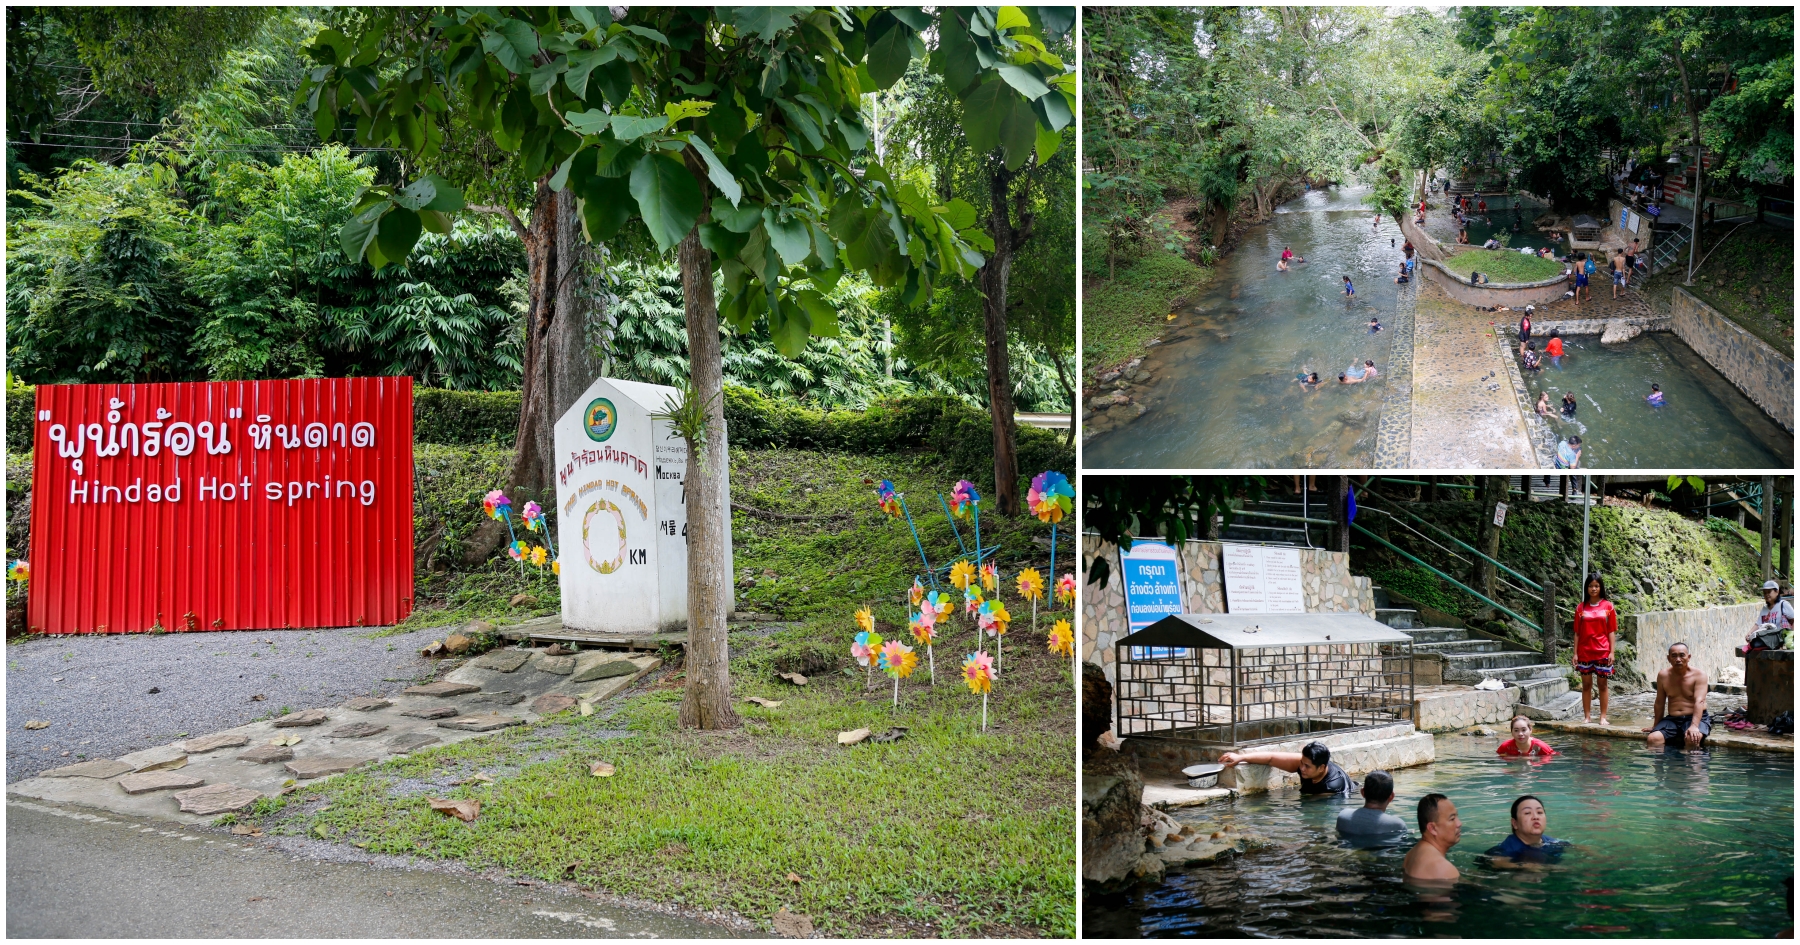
[1424, 246]
[1765, 375]
[1712, 634]
[1329, 585]
[1450, 708]
[1516, 295]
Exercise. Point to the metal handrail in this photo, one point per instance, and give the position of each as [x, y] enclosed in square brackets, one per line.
[1465, 545]
[1454, 582]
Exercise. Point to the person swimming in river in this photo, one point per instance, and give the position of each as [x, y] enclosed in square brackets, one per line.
[1543, 404]
[1349, 289]
[1371, 825]
[1308, 380]
[1568, 405]
[1655, 398]
[1521, 744]
[1374, 325]
[1527, 845]
[1530, 360]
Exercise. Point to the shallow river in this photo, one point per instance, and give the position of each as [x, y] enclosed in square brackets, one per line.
[1664, 844]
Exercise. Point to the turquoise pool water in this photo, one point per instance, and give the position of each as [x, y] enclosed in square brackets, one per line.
[1704, 423]
[1665, 844]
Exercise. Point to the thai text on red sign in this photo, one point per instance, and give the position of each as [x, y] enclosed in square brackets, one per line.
[221, 506]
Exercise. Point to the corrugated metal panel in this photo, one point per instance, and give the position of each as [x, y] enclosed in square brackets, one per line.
[114, 550]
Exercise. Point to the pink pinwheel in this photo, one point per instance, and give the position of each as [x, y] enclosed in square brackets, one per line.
[497, 505]
[964, 498]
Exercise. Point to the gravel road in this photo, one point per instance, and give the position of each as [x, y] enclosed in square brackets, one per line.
[107, 695]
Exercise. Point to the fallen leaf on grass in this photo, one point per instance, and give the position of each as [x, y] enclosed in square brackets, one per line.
[600, 769]
[792, 924]
[465, 810]
[794, 678]
[246, 830]
[765, 703]
[794, 878]
[36, 724]
[853, 736]
[587, 708]
[481, 776]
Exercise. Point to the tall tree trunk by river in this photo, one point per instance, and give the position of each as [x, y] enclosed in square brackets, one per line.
[992, 278]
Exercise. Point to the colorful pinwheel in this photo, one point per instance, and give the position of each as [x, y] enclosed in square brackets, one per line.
[517, 551]
[1062, 639]
[1051, 497]
[539, 556]
[923, 630]
[990, 577]
[936, 604]
[1031, 584]
[993, 619]
[918, 592]
[887, 498]
[964, 499]
[1065, 589]
[972, 599]
[18, 570]
[897, 660]
[867, 644]
[498, 506]
[865, 618]
[533, 516]
[978, 672]
[962, 574]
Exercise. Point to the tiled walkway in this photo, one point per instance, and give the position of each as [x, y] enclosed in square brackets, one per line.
[1464, 410]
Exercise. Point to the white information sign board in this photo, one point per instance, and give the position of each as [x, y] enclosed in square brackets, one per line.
[1262, 580]
[1499, 514]
[621, 514]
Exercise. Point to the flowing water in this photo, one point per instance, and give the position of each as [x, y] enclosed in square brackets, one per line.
[1704, 423]
[1663, 844]
[1223, 391]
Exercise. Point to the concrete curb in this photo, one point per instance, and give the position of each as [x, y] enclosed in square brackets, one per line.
[1720, 738]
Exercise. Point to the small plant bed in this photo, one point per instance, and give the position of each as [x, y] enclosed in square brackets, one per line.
[947, 830]
[1120, 314]
[1503, 265]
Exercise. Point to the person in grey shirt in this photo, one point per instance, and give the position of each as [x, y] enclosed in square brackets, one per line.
[1371, 825]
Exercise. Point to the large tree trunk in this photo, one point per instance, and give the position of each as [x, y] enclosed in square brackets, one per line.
[1221, 222]
[992, 280]
[1699, 165]
[706, 703]
[559, 357]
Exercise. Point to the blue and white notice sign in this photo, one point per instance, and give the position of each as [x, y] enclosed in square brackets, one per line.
[1152, 574]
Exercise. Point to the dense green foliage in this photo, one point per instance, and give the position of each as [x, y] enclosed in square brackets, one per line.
[1119, 315]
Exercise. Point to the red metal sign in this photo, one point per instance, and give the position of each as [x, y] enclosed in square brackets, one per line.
[222, 506]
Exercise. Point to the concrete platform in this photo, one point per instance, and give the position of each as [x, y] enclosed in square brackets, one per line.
[1450, 708]
[1721, 736]
[222, 766]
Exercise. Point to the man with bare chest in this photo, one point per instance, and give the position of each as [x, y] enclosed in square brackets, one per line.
[1680, 710]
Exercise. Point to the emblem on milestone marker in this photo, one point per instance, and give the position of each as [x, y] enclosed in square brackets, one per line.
[602, 420]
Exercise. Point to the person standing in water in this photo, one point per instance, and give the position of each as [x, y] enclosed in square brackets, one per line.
[1568, 405]
[1568, 454]
[1439, 830]
[1554, 348]
[1596, 630]
[1371, 825]
[1655, 398]
[1349, 289]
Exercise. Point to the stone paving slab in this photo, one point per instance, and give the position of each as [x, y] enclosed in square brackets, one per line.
[431, 712]
[592, 666]
[201, 746]
[318, 766]
[481, 723]
[158, 781]
[1393, 436]
[101, 768]
[215, 799]
[356, 730]
[1178, 794]
[153, 759]
[266, 754]
[441, 690]
[303, 719]
[366, 704]
[1721, 737]
[502, 661]
[267, 778]
[497, 698]
[560, 665]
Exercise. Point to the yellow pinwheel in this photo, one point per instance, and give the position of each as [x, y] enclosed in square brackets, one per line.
[962, 574]
[1062, 639]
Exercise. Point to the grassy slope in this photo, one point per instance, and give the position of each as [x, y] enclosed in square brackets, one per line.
[948, 831]
[1757, 258]
[1119, 315]
[1504, 265]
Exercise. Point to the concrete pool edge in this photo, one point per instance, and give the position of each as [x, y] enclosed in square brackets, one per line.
[1394, 426]
[1538, 433]
[1718, 739]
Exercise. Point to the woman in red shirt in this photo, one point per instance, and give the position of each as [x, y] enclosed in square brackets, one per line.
[1596, 626]
[1521, 744]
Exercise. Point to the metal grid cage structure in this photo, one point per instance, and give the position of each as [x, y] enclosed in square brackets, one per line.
[1244, 679]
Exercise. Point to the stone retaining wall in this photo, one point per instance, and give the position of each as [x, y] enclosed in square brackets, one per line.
[1515, 295]
[1450, 708]
[1330, 588]
[1424, 245]
[1765, 375]
[1712, 634]
[1595, 326]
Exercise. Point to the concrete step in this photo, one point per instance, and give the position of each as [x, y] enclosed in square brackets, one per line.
[1542, 690]
[1514, 674]
[1564, 706]
[1435, 634]
[1491, 662]
[1459, 647]
[1400, 618]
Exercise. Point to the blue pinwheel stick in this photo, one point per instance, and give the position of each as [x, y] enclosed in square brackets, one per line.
[916, 542]
[952, 520]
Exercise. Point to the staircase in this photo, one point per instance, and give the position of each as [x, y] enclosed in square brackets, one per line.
[1669, 247]
[1282, 531]
[1544, 692]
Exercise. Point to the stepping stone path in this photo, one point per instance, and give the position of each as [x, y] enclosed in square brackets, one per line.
[155, 759]
[366, 704]
[560, 665]
[299, 719]
[216, 799]
[503, 661]
[500, 698]
[357, 730]
[482, 723]
[441, 689]
[602, 666]
[411, 741]
[551, 703]
[200, 746]
[317, 767]
[264, 754]
[99, 768]
[158, 781]
[434, 712]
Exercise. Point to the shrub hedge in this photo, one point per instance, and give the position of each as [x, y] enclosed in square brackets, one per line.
[941, 424]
